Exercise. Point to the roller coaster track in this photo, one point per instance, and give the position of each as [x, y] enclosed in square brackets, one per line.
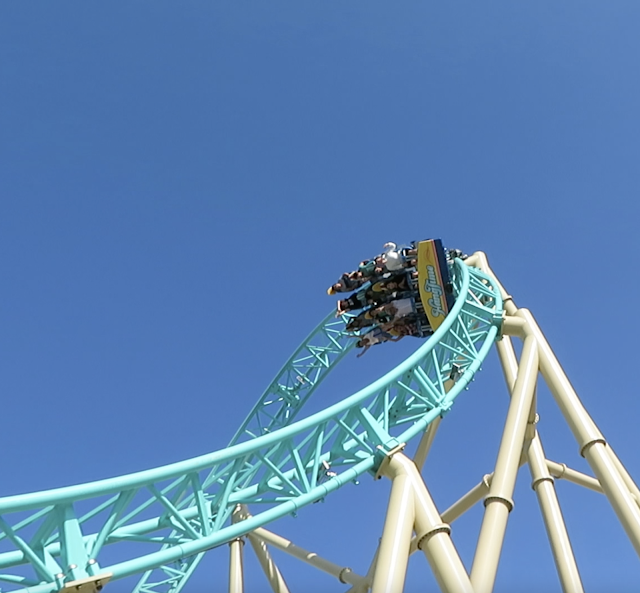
[164, 519]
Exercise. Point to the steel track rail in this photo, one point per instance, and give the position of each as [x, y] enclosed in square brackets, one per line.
[165, 518]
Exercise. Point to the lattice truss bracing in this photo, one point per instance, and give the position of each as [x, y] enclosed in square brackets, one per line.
[164, 519]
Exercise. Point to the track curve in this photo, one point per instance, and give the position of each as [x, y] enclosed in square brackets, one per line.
[169, 516]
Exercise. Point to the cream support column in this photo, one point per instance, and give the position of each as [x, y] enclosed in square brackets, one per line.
[590, 440]
[236, 572]
[610, 474]
[268, 565]
[562, 472]
[543, 485]
[425, 443]
[432, 534]
[236, 568]
[342, 573]
[365, 585]
[628, 480]
[470, 499]
[498, 503]
[393, 552]
[461, 506]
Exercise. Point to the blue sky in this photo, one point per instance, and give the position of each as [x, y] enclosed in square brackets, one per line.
[180, 181]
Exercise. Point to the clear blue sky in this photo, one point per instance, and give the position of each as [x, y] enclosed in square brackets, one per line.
[180, 181]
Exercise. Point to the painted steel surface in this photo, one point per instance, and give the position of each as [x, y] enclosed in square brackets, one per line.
[164, 519]
[432, 278]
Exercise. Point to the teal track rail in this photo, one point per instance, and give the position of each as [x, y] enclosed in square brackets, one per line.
[164, 519]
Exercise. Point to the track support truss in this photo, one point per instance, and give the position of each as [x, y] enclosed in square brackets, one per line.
[414, 524]
[53, 541]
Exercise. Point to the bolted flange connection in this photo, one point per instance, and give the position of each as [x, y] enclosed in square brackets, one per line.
[589, 444]
[503, 499]
[440, 528]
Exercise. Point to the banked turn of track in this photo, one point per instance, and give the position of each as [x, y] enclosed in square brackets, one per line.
[166, 518]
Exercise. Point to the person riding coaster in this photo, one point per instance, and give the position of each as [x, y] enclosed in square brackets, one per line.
[392, 259]
[376, 336]
[392, 332]
[396, 294]
[389, 287]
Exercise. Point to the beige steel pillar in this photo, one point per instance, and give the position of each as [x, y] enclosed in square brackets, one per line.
[393, 553]
[269, 567]
[470, 499]
[590, 440]
[365, 584]
[236, 571]
[498, 504]
[543, 485]
[433, 535]
[622, 470]
[342, 573]
[561, 471]
[615, 481]
[425, 443]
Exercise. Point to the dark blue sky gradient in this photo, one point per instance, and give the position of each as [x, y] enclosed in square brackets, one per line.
[181, 181]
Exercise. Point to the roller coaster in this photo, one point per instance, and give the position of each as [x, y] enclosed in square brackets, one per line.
[156, 525]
